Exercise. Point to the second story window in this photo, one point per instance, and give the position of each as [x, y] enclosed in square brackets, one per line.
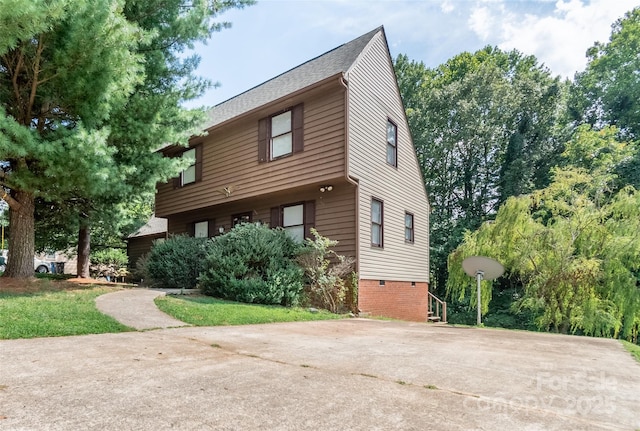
[392, 143]
[192, 173]
[281, 134]
[188, 176]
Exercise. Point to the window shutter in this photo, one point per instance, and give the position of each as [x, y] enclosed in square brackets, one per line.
[191, 229]
[211, 226]
[264, 126]
[199, 163]
[297, 112]
[275, 217]
[309, 218]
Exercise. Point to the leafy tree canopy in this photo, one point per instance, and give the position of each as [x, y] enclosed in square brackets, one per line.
[573, 247]
[88, 89]
[484, 128]
[608, 91]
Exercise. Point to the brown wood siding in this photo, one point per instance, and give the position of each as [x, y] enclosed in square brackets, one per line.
[334, 213]
[374, 98]
[139, 246]
[230, 157]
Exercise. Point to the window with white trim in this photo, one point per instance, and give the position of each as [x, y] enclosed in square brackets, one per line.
[392, 143]
[293, 221]
[201, 229]
[409, 232]
[281, 135]
[376, 223]
[188, 176]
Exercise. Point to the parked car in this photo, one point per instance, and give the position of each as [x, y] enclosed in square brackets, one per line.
[39, 265]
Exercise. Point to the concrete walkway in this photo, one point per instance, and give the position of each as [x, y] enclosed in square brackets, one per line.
[136, 309]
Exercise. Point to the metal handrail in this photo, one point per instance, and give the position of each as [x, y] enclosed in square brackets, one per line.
[439, 304]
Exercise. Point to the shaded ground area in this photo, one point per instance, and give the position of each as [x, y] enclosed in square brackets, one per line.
[354, 374]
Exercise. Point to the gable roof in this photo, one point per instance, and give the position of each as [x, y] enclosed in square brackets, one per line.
[338, 60]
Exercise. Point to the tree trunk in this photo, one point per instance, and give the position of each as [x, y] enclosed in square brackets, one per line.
[22, 238]
[84, 247]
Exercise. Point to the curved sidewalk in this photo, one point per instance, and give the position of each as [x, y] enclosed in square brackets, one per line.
[135, 308]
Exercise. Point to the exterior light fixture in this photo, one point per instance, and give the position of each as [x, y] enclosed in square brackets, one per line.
[326, 188]
[221, 229]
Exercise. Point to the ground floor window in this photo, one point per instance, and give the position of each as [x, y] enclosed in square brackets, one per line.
[236, 219]
[201, 229]
[376, 223]
[293, 221]
[296, 218]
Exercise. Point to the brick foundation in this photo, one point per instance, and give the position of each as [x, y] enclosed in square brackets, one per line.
[396, 299]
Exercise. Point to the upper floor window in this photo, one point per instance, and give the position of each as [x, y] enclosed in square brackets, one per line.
[392, 143]
[281, 135]
[193, 172]
[376, 223]
[188, 176]
[409, 233]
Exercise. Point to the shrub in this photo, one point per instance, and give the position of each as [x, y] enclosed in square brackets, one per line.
[328, 282]
[176, 262]
[255, 264]
[109, 263]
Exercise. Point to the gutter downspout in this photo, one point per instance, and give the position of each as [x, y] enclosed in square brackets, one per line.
[350, 180]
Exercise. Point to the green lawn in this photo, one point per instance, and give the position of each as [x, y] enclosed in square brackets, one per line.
[634, 349]
[207, 311]
[54, 314]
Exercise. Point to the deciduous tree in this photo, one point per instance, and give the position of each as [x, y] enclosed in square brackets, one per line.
[573, 247]
[484, 129]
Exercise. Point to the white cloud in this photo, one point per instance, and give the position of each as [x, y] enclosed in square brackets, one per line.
[481, 22]
[559, 39]
[447, 6]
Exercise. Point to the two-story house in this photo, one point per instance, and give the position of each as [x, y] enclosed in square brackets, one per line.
[324, 145]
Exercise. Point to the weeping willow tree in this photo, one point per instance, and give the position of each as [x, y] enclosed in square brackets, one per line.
[573, 247]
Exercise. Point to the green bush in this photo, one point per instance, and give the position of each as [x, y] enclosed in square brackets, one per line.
[253, 264]
[329, 276]
[109, 262]
[176, 262]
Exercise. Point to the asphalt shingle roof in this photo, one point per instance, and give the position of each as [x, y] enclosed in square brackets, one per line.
[338, 60]
[154, 226]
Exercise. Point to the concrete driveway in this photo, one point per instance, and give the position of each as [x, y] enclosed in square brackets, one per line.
[354, 374]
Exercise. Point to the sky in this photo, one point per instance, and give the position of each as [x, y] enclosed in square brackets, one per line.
[273, 36]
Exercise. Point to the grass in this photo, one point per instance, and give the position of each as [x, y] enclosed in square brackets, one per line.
[54, 313]
[207, 311]
[634, 349]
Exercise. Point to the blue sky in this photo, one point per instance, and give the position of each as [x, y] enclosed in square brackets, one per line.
[274, 36]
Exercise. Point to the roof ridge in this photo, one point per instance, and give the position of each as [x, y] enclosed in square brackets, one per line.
[338, 59]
